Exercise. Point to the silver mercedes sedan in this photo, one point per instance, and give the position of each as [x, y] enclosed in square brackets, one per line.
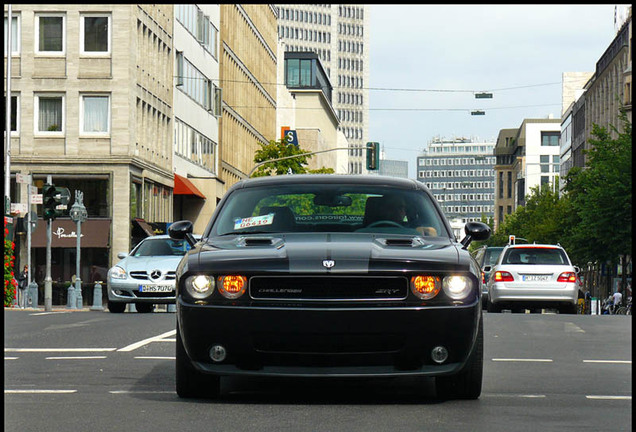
[533, 276]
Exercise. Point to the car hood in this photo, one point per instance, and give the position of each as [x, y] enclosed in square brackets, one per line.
[326, 253]
[148, 263]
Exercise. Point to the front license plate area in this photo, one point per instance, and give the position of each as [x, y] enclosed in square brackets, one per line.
[536, 278]
[155, 288]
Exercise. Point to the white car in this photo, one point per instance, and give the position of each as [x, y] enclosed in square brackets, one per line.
[533, 276]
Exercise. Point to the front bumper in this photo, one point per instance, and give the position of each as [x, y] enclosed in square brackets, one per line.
[334, 342]
[125, 291]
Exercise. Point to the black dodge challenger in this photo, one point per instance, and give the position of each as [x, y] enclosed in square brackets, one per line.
[329, 276]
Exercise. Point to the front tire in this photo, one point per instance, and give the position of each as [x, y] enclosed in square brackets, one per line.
[116, 307]
[467, 383]
[190, 382]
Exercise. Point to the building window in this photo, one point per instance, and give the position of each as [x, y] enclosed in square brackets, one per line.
[550, 139]
[15, 35]
[95, 114]
[95, 34]
[50, 114]
[50, 37]
[14, 112]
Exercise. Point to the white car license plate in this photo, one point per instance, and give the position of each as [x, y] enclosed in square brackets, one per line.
[536, 278]
[156, 288]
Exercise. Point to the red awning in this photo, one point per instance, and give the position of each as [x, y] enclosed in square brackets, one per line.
[183, 186]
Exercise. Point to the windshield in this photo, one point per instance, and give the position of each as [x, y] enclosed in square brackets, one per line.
[535, 255]
[327, 208]
[161, 247]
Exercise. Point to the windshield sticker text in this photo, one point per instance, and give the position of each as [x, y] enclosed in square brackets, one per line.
[248, 222]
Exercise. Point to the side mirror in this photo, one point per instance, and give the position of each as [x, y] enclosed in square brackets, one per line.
[577, 269]
[122, 255]
[478, 231]
[487, 268]
[182, 230]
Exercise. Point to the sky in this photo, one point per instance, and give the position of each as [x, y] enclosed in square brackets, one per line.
[427, 61]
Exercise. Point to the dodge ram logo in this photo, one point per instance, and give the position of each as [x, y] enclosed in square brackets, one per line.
[328, 263]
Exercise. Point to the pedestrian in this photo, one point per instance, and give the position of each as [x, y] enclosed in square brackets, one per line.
[23, 284]
[618, 298]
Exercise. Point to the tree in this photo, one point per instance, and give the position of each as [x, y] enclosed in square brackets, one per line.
[280, 149]
[601, 197]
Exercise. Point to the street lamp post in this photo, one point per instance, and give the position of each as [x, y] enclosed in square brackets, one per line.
[78, 215]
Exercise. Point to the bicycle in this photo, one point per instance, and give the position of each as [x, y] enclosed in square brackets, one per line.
[624, 310]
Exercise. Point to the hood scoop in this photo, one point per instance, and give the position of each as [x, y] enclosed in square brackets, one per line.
[258, 241]
[404, 242]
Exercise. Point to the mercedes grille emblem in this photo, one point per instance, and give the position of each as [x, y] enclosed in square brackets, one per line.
[155, 274]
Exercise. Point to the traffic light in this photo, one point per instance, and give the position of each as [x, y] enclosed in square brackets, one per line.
[49, 201]
[54, 200]
[373, 156]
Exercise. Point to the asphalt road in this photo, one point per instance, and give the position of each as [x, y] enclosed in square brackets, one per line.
[96, 371]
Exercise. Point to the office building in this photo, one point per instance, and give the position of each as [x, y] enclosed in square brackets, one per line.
[339, 35]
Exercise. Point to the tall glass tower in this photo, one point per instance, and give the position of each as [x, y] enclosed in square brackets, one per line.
[338, 33]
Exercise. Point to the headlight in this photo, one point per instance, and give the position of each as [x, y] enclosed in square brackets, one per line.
[117, 273]
[457, 287]
[232, 286]
[425, 287]
[199, 286]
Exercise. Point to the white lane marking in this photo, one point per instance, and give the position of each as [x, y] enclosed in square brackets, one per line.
[40, 391]
[140, 392]
[50, 313]
[155, 358]
[601, 397]
[573, 328]
[11, 358]
[609, 361]
[139, 344]
[76, 358]
[58, 349]
[522, 360]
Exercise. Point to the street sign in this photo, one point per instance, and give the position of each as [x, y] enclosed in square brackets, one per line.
[23, 178]
[36, 199]
[19, 208]
[291, 137]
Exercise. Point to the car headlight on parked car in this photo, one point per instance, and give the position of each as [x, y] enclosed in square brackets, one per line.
[117, 273]
[457, 287]
[199, 286]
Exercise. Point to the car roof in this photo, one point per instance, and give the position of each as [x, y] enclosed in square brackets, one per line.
[331, 179]
[535, 245]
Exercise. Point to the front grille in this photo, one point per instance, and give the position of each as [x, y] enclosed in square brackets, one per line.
[142, 275]
[323, 288]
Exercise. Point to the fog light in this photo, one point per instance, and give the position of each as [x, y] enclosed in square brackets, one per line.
[439, 354]
[218, 353]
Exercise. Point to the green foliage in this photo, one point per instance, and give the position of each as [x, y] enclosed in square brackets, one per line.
[280, 149]
[10, 284]
[601, 197]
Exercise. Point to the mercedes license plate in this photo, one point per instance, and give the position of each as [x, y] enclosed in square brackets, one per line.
[156, 288]
[536, 278]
